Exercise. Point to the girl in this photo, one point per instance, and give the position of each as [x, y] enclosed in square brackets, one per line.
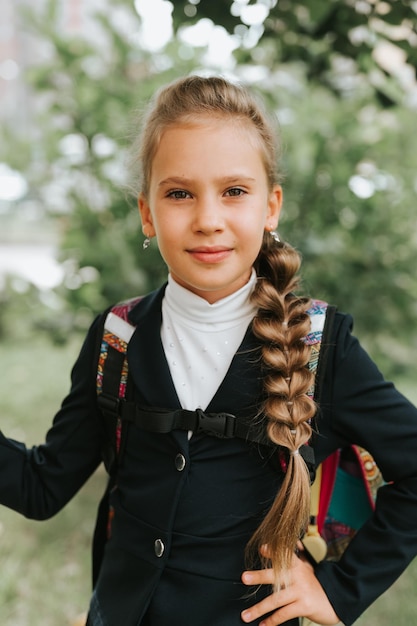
[225, 336]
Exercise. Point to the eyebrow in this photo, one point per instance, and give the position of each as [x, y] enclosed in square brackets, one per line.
[226, 180]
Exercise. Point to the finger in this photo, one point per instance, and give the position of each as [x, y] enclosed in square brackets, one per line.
[277, 610]
[272, 602]
[264, 550]
[258, 610]
[258, 577]
[281, 616]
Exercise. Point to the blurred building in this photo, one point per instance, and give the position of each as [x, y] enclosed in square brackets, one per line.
[13, 56]
[19, 49]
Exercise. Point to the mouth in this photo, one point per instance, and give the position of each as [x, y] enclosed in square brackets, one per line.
[206, 254]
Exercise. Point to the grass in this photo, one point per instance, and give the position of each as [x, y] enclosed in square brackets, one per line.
[45, 566]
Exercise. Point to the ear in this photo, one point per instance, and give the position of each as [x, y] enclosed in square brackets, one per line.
[274, 208]
[146, 216]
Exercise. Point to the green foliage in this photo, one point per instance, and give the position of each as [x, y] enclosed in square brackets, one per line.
[358, 248]
[316, 33]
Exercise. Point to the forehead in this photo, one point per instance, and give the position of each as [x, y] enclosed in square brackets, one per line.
[239, 125]
[226, 137]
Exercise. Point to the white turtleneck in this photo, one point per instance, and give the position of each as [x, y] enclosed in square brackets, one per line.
[200, 339]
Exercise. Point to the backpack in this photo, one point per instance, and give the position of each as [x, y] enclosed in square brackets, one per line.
[346, 478]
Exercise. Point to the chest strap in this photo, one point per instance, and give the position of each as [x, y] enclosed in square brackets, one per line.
[163, 421]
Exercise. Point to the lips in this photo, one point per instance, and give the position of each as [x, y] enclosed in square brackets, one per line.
[207, 254]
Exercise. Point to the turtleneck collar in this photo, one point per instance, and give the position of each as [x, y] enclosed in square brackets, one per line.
[200, 339]
[196, 312]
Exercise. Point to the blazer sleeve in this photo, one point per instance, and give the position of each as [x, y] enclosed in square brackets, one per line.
[358, 406]
[39, 481]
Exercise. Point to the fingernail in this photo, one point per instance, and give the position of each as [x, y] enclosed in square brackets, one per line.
[247, 578]
[246, 616]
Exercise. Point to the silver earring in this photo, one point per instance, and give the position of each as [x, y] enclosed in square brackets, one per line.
[146, 243]
[275, 236]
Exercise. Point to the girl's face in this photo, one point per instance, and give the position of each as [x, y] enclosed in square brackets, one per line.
[208, 205]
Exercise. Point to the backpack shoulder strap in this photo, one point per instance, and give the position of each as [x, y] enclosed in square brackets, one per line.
[111, 388]
[112, 374]
[322, 317]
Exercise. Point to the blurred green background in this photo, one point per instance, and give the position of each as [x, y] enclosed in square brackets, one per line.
[341, 77]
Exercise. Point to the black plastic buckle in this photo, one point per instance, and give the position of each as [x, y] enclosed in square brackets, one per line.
[221, 425]
[109, 405]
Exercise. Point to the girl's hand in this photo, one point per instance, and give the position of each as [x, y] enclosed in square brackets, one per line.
[304, 597]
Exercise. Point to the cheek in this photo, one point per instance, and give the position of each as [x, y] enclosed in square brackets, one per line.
[168, 233]
[162, 224]
[253, 221]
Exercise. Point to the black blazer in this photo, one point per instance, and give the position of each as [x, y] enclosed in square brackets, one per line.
[184, 510]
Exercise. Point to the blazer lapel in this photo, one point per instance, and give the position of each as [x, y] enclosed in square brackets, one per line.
[241, 389]
[147, 363]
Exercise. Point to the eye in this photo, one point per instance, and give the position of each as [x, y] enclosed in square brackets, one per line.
[235, 192]
[178, 194]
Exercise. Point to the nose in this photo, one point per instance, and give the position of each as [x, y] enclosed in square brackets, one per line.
[208, 216]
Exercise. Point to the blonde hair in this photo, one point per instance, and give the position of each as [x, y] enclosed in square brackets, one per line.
[281, 321]
[281, 324]
[185, 101]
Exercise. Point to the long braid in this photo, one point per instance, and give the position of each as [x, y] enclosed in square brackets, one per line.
[281, 324]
